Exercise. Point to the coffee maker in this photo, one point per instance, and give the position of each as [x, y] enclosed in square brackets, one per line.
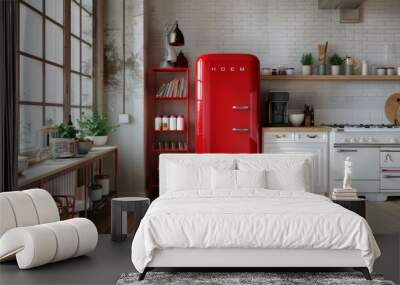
[278, 102]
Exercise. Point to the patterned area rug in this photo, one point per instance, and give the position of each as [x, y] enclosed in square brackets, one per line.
[243, 278]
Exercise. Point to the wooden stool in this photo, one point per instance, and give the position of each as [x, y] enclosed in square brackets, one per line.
[119, 208]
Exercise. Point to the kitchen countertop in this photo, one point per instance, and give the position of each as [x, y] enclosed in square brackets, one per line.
[297, 129]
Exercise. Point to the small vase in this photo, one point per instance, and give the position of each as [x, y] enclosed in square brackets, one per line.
[349, 69]
[306, 69]
[335, 69]
[322, 69]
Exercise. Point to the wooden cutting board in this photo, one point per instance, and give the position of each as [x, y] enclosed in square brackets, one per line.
[392, 108]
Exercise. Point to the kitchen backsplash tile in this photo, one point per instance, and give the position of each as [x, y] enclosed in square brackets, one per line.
[278, 32]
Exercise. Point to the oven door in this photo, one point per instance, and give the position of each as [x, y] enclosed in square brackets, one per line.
[365, 162]
[390, 179]
[390, 170]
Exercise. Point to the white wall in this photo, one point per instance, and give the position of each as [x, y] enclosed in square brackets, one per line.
[278, 32]
[130, 137]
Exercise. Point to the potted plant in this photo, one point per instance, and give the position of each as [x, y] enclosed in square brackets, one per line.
[306, 61]
[336, 61]
[85, 143]
[96, 128]
[63, 142]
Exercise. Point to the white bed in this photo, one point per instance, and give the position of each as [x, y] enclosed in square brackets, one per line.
[197, 224]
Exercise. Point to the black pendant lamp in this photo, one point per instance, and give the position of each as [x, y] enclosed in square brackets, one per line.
[175, 37]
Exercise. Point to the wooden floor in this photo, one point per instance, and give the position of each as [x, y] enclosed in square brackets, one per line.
[384, 217]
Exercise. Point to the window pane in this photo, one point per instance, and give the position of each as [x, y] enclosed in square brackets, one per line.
[75, 115]
[29, 130]
[38, 4]
[54, 84]
[54, 43]
[75, 55]
[87, 91]
[31, 83]
[55, 10]
[75, 19]
[86, 59]
[88, 4]
[30, 31]
[86, 27]
[87, 111]
[75, 89]
[53, 115]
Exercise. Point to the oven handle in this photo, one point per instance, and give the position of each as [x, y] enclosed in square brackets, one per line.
[390, 170]
[347, 150]
[391, 176]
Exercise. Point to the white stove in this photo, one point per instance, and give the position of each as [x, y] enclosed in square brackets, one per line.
[366, 135]
[375, 153]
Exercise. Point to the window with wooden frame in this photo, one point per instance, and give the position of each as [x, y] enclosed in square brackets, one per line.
[55, 65]
[81, 73]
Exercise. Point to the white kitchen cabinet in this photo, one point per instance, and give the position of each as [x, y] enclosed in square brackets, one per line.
[312, 142]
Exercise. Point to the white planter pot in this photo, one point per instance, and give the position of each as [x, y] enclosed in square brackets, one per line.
[335, 69]
[99, 140]
[306, 69]
[104, 181]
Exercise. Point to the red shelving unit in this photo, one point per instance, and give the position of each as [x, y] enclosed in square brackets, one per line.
[164, 106]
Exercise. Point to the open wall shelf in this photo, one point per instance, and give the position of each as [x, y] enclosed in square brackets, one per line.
[172, 102]
[332, 77]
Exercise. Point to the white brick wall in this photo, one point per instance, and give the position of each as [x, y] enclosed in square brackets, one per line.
[278, 32]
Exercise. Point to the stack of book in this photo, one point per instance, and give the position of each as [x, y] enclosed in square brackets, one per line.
[173, 89]
[344, 194]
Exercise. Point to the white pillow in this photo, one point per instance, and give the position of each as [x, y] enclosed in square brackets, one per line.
[251, 178]
[292, 179]
[190, 176]
[282, 174]
[223, 179]
[236, 179]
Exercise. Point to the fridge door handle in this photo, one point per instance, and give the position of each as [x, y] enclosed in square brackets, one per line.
[240, 129]
[240, 107]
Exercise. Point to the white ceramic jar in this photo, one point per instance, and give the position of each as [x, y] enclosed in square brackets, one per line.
[381, 71]
[172, 123]
[390, 71]
[180, 123]
[157, 123]
[364, 68]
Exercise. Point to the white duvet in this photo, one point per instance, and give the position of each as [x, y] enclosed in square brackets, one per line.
[252, 218]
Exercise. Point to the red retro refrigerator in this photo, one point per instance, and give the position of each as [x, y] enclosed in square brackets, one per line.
[227, 103]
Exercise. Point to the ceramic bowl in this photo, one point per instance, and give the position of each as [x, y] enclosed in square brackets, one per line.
[296, 119]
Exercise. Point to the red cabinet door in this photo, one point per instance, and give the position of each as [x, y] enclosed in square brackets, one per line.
[227, 96]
